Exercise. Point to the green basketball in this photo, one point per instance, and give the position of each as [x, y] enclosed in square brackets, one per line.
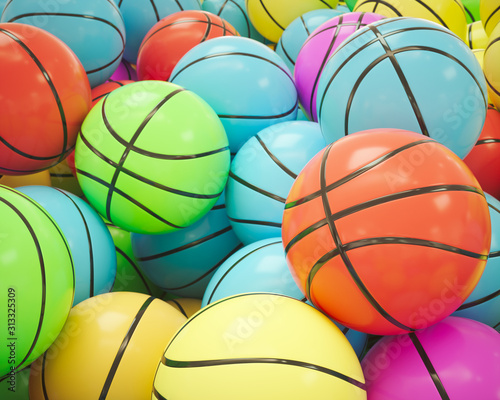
[152, 157]
[37, 280]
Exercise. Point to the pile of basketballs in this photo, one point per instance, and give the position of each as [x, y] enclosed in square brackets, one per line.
[250, 199]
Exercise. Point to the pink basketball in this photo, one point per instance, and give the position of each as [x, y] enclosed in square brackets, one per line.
[456, 359]
[124, 72]
[318, 48]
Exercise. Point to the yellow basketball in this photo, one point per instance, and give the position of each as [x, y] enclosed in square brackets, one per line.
[13, 181]
[271, 17]
[491, 66]
[108, 349]
[476, 36]
[489, 11]
[259, 346]
[449, 13]
[188, 307]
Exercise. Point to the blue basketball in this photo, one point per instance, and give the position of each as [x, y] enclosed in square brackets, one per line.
[295, 34]
[263, 172]
[483, 304]
[183, 262]
[93, 29]
[244, 81]
[257, 267]
[141, 15]
[89, 240]
[405, 73]
[234, 12]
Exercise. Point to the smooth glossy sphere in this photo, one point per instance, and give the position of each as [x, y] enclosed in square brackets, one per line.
[262, 173]
[404, 73]
[490, 14]
[298, 31]
[261, 336]
[490, 67]
[93, 29]
[187, 306]
[383, 224]
[37, 279]
[118, 339]
[90, 243]
[271, 17]
[140, 15]
[471, 8]
[13, 181]
[172, 37]
[484, 158]
[476, 36]
[244, 81]
[152, 157]
[44, 99]
[318, 48]
[455, 359]
[183, 262]
[124, 71]
[106, 88]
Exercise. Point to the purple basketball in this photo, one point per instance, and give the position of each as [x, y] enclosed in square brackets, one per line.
[457, 359]
[318, 48]
[124, 72]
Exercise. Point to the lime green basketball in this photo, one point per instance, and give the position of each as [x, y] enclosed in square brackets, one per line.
[259, 346]
[152, 157]
[37, 280]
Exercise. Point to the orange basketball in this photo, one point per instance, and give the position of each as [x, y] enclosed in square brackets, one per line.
[386, 231]
[106, 88]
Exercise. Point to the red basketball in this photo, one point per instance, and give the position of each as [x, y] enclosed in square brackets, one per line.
[172, 37]
[386, 231]
[44, 98]
[106, 88]
[484, 158]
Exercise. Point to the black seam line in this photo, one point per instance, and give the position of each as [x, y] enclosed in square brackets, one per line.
[179, 4]
[53, 89]
[44, 383]
[186, 246]
[428, 365]
[340, 24]
[117, 8]
[491, 15]
[305, 25]
[276, 159]
[441, 21]
[323, 62]
[477, 302]
[292, 61]
[92, 71]
[343, 253]
[235, 264]
[151, 154]
[357, 172]
[256, 189]
[222, 8]
[377, 3]
[218, 207]
[100, 96]
[158, 395]
[233, 361]
[244, 14]
[123, 347]
[470, 14]
[144, 179]
[494, 254]
[128, 148]
[378, 201]
[292, 110]
[129, 198]
[469, 35]
[486, 141]
[389, 53]
[210, 271]
[18, 372]
[326, 4]
[231, 53]
[491, 87]
[89, 242]
[270, 15]
[360, 49]
[209, 27]
[493, 207]
[177, 23]
[490, 44]
[135, 267]
[157, 15]
[41, 262]
[179, 305]
[497, 326]
[255, 222]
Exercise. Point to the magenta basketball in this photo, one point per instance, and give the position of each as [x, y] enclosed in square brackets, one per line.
[318, 48]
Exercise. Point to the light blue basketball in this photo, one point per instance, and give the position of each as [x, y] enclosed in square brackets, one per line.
[89, 240]
[234, 12]
[257, 267]
[405, 73]
[483, 304]
[244, 81]
[182, 262]
[141, 15]
[262, 174]
[93, 29]
[295, 34]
